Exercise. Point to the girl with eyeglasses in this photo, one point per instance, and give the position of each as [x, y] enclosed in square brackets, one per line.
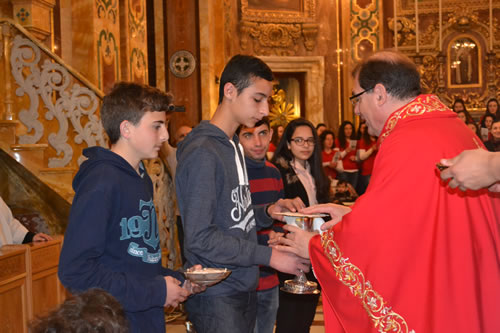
[298, 157]
[346, 146]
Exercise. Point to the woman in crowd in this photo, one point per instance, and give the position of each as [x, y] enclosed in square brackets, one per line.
[367, 150]
[327, 141]
[492, 107]
[486, 124]
[474, 128]
[458, 105]
[298, 157]
[320, 128]
[493, 144]
[465, 116]
[275, 139]
[346, 146]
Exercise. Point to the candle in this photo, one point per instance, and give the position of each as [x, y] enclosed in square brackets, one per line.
[440, 26]
[416, 23]
[395, 25]
[491, 25]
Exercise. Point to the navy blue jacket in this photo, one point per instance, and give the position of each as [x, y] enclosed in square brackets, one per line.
[112, 240]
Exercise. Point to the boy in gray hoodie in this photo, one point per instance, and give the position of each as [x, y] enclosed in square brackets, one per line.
[215, 204]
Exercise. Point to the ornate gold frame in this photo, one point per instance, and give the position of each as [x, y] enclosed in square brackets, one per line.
[307, 14]
[479, 65]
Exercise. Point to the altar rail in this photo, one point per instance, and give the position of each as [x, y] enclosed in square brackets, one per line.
[29, 286]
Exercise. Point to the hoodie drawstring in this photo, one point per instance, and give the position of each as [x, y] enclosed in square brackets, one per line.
[240, 164]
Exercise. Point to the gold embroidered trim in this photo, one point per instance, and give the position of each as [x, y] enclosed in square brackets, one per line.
[419, 106]
[383, 317]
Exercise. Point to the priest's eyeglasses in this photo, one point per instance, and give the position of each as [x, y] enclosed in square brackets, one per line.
[355, 98]
[301, 141]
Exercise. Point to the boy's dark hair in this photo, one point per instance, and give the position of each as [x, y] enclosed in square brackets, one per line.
[264, 120]
[130, 101]
[91, 311]
[395, 71]
[240, 71]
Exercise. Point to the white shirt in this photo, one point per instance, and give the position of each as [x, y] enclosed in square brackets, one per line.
[11, 230]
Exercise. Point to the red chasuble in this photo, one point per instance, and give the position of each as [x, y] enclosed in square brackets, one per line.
[414, 255]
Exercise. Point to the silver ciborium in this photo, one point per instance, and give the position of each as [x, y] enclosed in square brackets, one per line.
[300, 284]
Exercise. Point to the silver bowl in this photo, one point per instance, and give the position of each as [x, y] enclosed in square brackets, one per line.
[207, 276]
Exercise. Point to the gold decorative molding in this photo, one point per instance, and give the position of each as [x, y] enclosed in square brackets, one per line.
[307, 13]
[406, 30]
[407, 7]
[310, 33]
[314, 69]
[277, 32]
[271, 38]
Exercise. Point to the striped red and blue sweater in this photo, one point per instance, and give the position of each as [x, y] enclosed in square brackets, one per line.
[266, 187]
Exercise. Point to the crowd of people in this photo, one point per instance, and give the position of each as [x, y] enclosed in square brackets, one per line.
[488, 126]
[413, 254]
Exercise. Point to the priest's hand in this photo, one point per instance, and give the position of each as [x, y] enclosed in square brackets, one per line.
[288, 262]
[284, 205]
[335, 211]
[296, 241]
[473, 169]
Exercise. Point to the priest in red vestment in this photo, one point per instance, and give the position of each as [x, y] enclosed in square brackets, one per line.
[414, 255]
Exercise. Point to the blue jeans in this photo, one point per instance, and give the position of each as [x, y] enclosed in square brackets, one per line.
[267, 308]
[223, 314]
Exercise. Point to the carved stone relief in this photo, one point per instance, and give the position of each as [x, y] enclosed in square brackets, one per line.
[278, 32]
[64, 99]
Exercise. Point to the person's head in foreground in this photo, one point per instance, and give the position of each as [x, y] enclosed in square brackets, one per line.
[92, 311]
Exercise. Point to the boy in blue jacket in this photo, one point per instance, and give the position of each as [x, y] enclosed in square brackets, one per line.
[112, 240]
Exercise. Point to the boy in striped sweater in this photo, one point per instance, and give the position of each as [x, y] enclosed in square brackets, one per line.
[266, 187]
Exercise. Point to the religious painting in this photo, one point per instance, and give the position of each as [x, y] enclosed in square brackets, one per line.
[464, 62]
[294, 5]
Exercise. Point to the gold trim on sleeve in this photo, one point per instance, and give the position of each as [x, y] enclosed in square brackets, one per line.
[383, 317]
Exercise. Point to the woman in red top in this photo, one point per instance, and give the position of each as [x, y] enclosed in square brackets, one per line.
[275, 139]
[346, 146]
[367, 150]
[327, 141]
